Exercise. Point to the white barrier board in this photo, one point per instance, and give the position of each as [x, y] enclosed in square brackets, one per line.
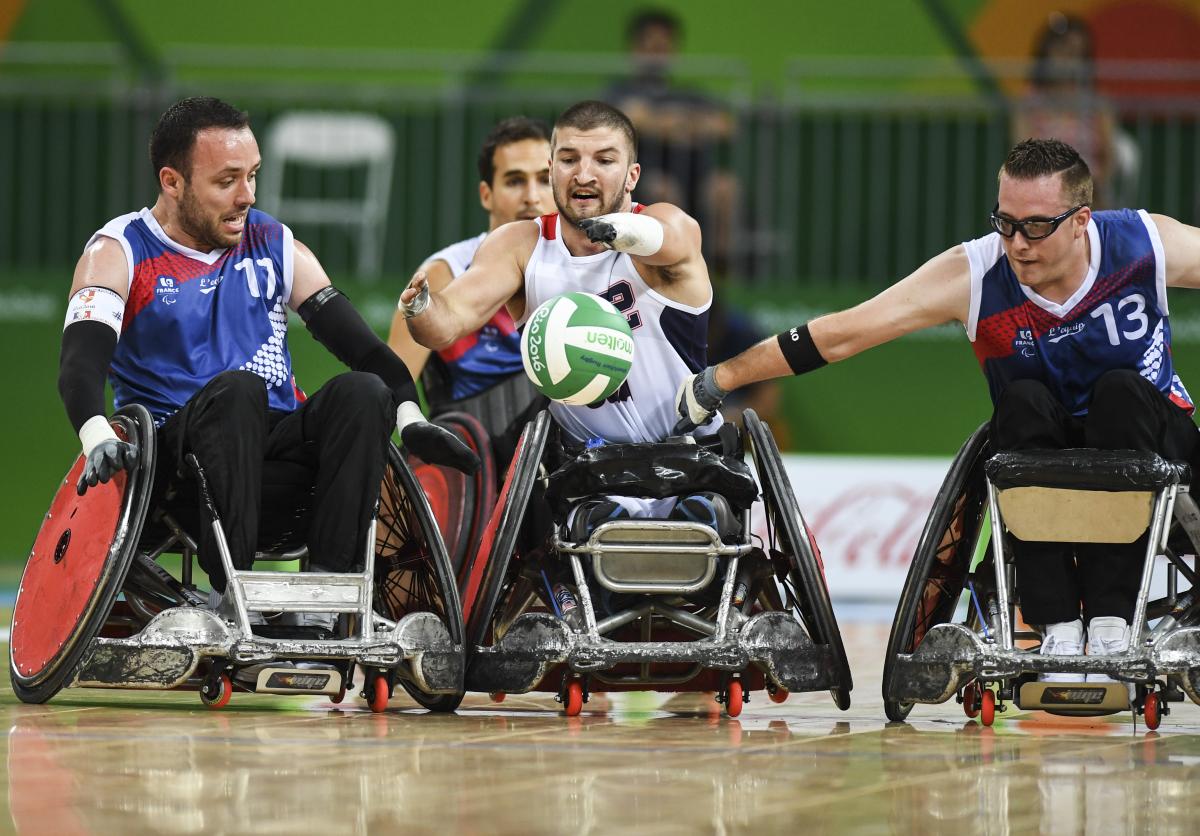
[866, 514]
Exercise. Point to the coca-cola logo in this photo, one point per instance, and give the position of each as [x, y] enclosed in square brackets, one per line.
[866, 526]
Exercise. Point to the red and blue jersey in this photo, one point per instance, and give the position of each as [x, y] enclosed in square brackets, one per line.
[480, 360]
[1117, 319]
[191, 315]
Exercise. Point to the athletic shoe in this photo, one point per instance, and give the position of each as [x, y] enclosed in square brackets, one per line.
[1107, 634]
[1062, 639]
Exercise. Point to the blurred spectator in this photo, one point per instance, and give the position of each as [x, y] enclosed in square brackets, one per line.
[1063, 103]
[680, 132]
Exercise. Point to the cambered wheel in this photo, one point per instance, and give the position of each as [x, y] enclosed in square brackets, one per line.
[377, 694]
[412, 570]
[1152, 710]
[573, 699]
[807, 593]
[77, 566]
[216, 692]
[489, 575]
[941, 563]
[987, 707]
[734, 698]
[971, 700]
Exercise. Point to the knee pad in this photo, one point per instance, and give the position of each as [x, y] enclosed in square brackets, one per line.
[590, 514]
[709, 509]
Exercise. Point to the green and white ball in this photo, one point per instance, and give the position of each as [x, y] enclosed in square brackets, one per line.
[577, 348]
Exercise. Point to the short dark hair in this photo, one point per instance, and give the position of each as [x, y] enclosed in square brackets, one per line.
[1034, 158]
[648, 18]
[174, 137]
[506, 132]
[591, 114]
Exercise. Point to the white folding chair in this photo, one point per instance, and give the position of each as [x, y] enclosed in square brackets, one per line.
[333, 140]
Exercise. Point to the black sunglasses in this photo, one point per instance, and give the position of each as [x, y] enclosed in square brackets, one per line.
[1033, 229]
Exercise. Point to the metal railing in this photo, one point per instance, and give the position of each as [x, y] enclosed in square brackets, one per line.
[841, 175]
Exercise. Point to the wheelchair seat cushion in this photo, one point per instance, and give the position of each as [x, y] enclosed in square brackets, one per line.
[1086, 469]
[655, 471]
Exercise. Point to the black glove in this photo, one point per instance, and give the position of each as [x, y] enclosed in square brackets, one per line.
[103, 463]
[598, 231]
[697, 400]
[437, 445]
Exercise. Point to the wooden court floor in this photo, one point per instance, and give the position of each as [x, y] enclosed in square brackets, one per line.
[138, 762]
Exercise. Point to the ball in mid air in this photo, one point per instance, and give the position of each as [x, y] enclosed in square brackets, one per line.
[577, 348]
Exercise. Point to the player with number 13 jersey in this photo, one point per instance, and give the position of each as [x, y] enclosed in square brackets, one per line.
[1116, 319]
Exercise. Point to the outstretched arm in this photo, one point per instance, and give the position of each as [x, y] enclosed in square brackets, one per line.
[496, 275]
[1181, 251]
[335, 324]
[414, 354]
[938, 291]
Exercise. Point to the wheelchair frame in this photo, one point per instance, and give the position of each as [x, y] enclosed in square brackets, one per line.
[932, 656]
[174, 638]
[794, 646]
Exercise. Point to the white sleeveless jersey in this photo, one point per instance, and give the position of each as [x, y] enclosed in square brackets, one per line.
[670, 339]
[458, 256]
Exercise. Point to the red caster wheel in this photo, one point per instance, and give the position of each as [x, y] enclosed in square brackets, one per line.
[1152, 710]
[987, 707]
[970, 700]
[215, 693]
[779, 695]
[573, 701]
[497, 696]
[339, 696]
[733, 698]
[377, 694]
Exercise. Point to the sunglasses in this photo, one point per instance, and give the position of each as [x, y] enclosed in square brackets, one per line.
[1033, 229]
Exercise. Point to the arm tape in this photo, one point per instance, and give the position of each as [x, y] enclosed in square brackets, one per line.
[799, 350]
[637, 234]
[335, 324]
[87, 350]
[96, 304]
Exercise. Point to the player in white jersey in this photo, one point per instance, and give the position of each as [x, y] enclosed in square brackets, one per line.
[182, 307]
[645, 260]
[514, 184]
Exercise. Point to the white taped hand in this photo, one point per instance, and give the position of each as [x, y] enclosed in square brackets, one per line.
[625, 232]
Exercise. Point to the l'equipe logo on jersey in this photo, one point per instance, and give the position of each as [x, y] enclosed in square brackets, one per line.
[209, 283]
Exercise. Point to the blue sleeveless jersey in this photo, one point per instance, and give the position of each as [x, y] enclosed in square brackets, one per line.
[190, 315]
[480, 360]
[1116, 320]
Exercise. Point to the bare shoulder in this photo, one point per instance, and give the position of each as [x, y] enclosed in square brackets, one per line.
[308, 276]
[1181, 251]
[515, 240]
[103, 264]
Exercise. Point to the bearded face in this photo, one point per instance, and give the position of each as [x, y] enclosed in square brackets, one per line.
[591, 173]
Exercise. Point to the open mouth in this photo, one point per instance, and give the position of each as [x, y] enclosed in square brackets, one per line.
[234, 223]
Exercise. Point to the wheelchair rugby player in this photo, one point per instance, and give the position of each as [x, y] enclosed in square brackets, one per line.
[183, 307]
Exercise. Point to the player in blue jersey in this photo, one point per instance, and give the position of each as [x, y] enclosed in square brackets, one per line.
[514, 184]
[183, 307]
[1067, 312]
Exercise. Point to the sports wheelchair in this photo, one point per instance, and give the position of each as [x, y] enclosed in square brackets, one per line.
[956, 632]
[668, 605]
[96, 609]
